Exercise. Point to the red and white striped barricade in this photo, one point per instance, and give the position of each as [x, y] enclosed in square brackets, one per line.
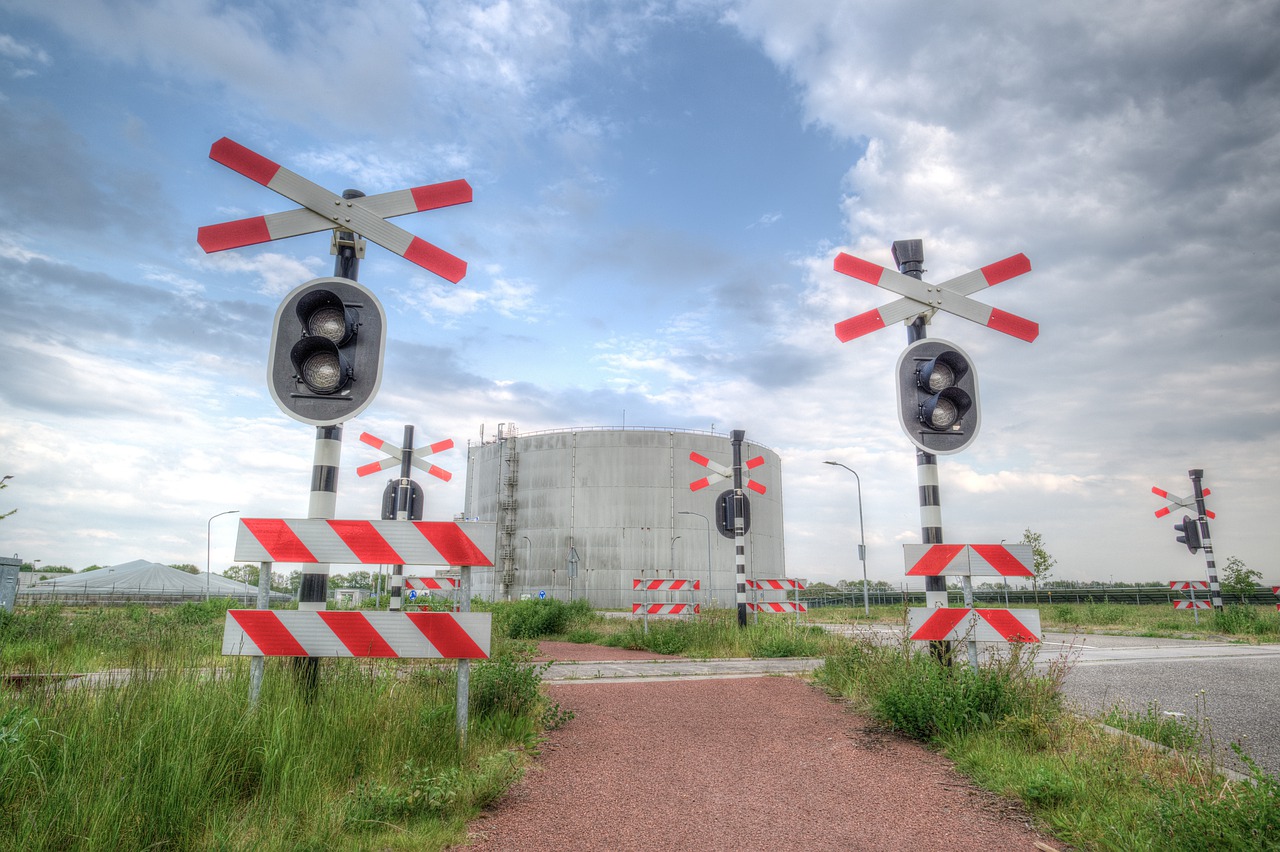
[313, 540]
[420, 635]
[1190, 587]
[319, 540]
[780, 584]
[666, 608]
[657, 584]
[1275, 590]
[431, 584]
[956, 624]
[975, 560]
[777, 606]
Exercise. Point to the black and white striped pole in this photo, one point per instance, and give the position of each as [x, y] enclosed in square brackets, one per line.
[1215, 591]
[739, 528]
[404, 494]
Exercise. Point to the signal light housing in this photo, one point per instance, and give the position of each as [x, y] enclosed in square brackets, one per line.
[325, 362]
[1190, 532]
[938, 396]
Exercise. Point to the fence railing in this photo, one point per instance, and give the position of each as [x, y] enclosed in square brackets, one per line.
[1001, 597]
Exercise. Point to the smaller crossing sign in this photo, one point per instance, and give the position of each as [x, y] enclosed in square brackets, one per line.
[1193, 604]
[959, 624]
[395, 454]
[1185, 585]
[977, 560]
[920, 297]
[1179, 503]
[719, 471]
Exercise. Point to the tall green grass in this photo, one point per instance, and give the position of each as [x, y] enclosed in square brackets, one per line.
[176, 759]
[1004, 727]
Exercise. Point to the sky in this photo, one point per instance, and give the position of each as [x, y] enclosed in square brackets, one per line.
[660, 190]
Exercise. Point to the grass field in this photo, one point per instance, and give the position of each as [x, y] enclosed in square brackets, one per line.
[176, 758]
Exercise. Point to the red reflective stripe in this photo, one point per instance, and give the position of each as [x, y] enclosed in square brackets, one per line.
[357, 635]
[436, 260]
[439, 473]
[756, 487]
[265, 630]
[238, 158]
[940, 624]
[1013, 325]
[372, 440]
[699, 483]
[856, 267]
[229, 235]
[436, 195]
[1005, 563]
[366, 543]
[1003, 270]
[439, 446]
[452, 543]
[697, 458]
[1007, 625]
[847, 330]
[366, 469]
[1160, 513]
[445, 633]
[935, 559]
[755, 462]
[280, 542]
[1159, 492]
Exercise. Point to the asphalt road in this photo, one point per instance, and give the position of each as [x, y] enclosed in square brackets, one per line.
[1236, 688]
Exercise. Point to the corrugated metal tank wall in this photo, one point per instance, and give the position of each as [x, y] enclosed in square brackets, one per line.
[615, 496]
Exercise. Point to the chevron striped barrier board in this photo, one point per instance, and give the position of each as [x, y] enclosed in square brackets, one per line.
[1185, 585]
[423, 584]
[975, 560]
[777, 606]
[979, 625]
[666, 608]
[665, 585]
[1193, 605]
[426, 635]
[313, 540]
[782, 584]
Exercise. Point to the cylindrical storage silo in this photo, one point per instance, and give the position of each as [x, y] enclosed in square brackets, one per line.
[619, 500]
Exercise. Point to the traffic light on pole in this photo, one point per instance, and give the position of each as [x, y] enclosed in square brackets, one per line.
[1190, 532]
[938, 396]
[325, 363]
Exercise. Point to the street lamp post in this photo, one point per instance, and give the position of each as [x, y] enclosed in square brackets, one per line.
[208, 547]
[862, 538]
[706, 521]
[674, 539]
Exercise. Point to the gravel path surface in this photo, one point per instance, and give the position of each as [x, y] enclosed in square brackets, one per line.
[760, 763]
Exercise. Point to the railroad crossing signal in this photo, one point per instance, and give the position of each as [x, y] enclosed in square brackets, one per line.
[1179, 502]
[920, 297]
[325, 361]
[938, 396]
[323, 210]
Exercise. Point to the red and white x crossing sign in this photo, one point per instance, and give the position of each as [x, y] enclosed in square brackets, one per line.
[719, 471]
[977, 560]
[395, 454]
[960, 624]
[1179, 502]
[920, 297]
[323, 210]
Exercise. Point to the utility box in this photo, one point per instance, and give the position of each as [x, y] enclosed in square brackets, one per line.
[9, 568]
